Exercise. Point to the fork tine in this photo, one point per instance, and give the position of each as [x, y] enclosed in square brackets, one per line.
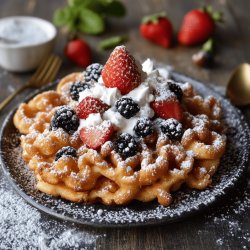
[43, 73]
[51, 73]
[40, 69]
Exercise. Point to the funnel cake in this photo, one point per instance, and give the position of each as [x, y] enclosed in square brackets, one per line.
[96, 141]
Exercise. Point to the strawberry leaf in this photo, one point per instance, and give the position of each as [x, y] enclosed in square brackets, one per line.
[208, 45]
[87, 16]
[113, 8]
[90, 22]
[62, 16]
[217, 16]
[112, 42]
[153, 18]
[81, 3]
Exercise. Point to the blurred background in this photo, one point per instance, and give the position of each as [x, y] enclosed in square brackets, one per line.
[232, 36]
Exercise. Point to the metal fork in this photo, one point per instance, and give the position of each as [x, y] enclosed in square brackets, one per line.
[44, 74]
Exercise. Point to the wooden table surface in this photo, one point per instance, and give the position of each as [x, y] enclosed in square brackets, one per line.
[212, 229]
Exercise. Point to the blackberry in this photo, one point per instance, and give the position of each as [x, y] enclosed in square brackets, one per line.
[127, 107]
[69, 151]
[93, 72]
[176, 89]
[76, 88]
[143, 127]
[65, 118]
[172, 128]
[126, 145]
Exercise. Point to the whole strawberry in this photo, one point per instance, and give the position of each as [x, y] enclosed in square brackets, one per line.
[198, 25]
[79, 52]
[121, 71]
[157, 29]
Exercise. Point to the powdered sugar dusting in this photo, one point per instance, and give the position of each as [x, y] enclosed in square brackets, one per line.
[229, 217]
[164, 94]
[24, 227]
[185, 201]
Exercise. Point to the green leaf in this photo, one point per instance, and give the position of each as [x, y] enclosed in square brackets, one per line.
[112, 42]
[153, 18]
[90, 22]
[217, 16]
[81, 3]
[62, 16]
[208, 45]
[113, 8]
[105, 2]
[87, 16]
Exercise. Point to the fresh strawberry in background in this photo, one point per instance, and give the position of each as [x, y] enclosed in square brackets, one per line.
[95, 136]
[121, 71]
[157, 29]
[198, 25]
[79, 52]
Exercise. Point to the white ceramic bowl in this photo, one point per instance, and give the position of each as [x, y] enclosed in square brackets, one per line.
[25, 56]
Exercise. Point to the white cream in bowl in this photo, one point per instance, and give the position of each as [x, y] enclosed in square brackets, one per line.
[24, 42]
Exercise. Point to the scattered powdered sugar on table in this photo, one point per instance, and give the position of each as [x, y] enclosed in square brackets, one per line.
[219, 242]
[23, 227]
[68, 239]
[229, 217]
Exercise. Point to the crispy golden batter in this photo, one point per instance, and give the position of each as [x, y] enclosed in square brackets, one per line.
[103, 175]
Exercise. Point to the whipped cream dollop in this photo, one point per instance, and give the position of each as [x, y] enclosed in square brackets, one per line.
[107, 95]
[143, 95]
[148, 66]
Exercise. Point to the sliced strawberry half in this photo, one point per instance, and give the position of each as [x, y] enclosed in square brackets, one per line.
[170, 108]
[95, 136]
[90, 105]
[121, 71]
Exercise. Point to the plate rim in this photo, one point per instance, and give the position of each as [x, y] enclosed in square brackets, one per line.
[149, 222]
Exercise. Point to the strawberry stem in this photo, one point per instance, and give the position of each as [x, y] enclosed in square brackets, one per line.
[153, 18]
[217, 16]
[208, 46]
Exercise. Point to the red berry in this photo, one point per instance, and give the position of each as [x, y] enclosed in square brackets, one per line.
[79, 52]
[90, 105]
[121, 71]
[166, 109]
[95, 136]
[159, 31]
[197, 26]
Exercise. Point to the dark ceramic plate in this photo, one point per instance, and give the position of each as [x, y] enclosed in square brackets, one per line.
[186, 202]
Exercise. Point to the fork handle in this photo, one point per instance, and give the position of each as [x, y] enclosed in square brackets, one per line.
[10, 97]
